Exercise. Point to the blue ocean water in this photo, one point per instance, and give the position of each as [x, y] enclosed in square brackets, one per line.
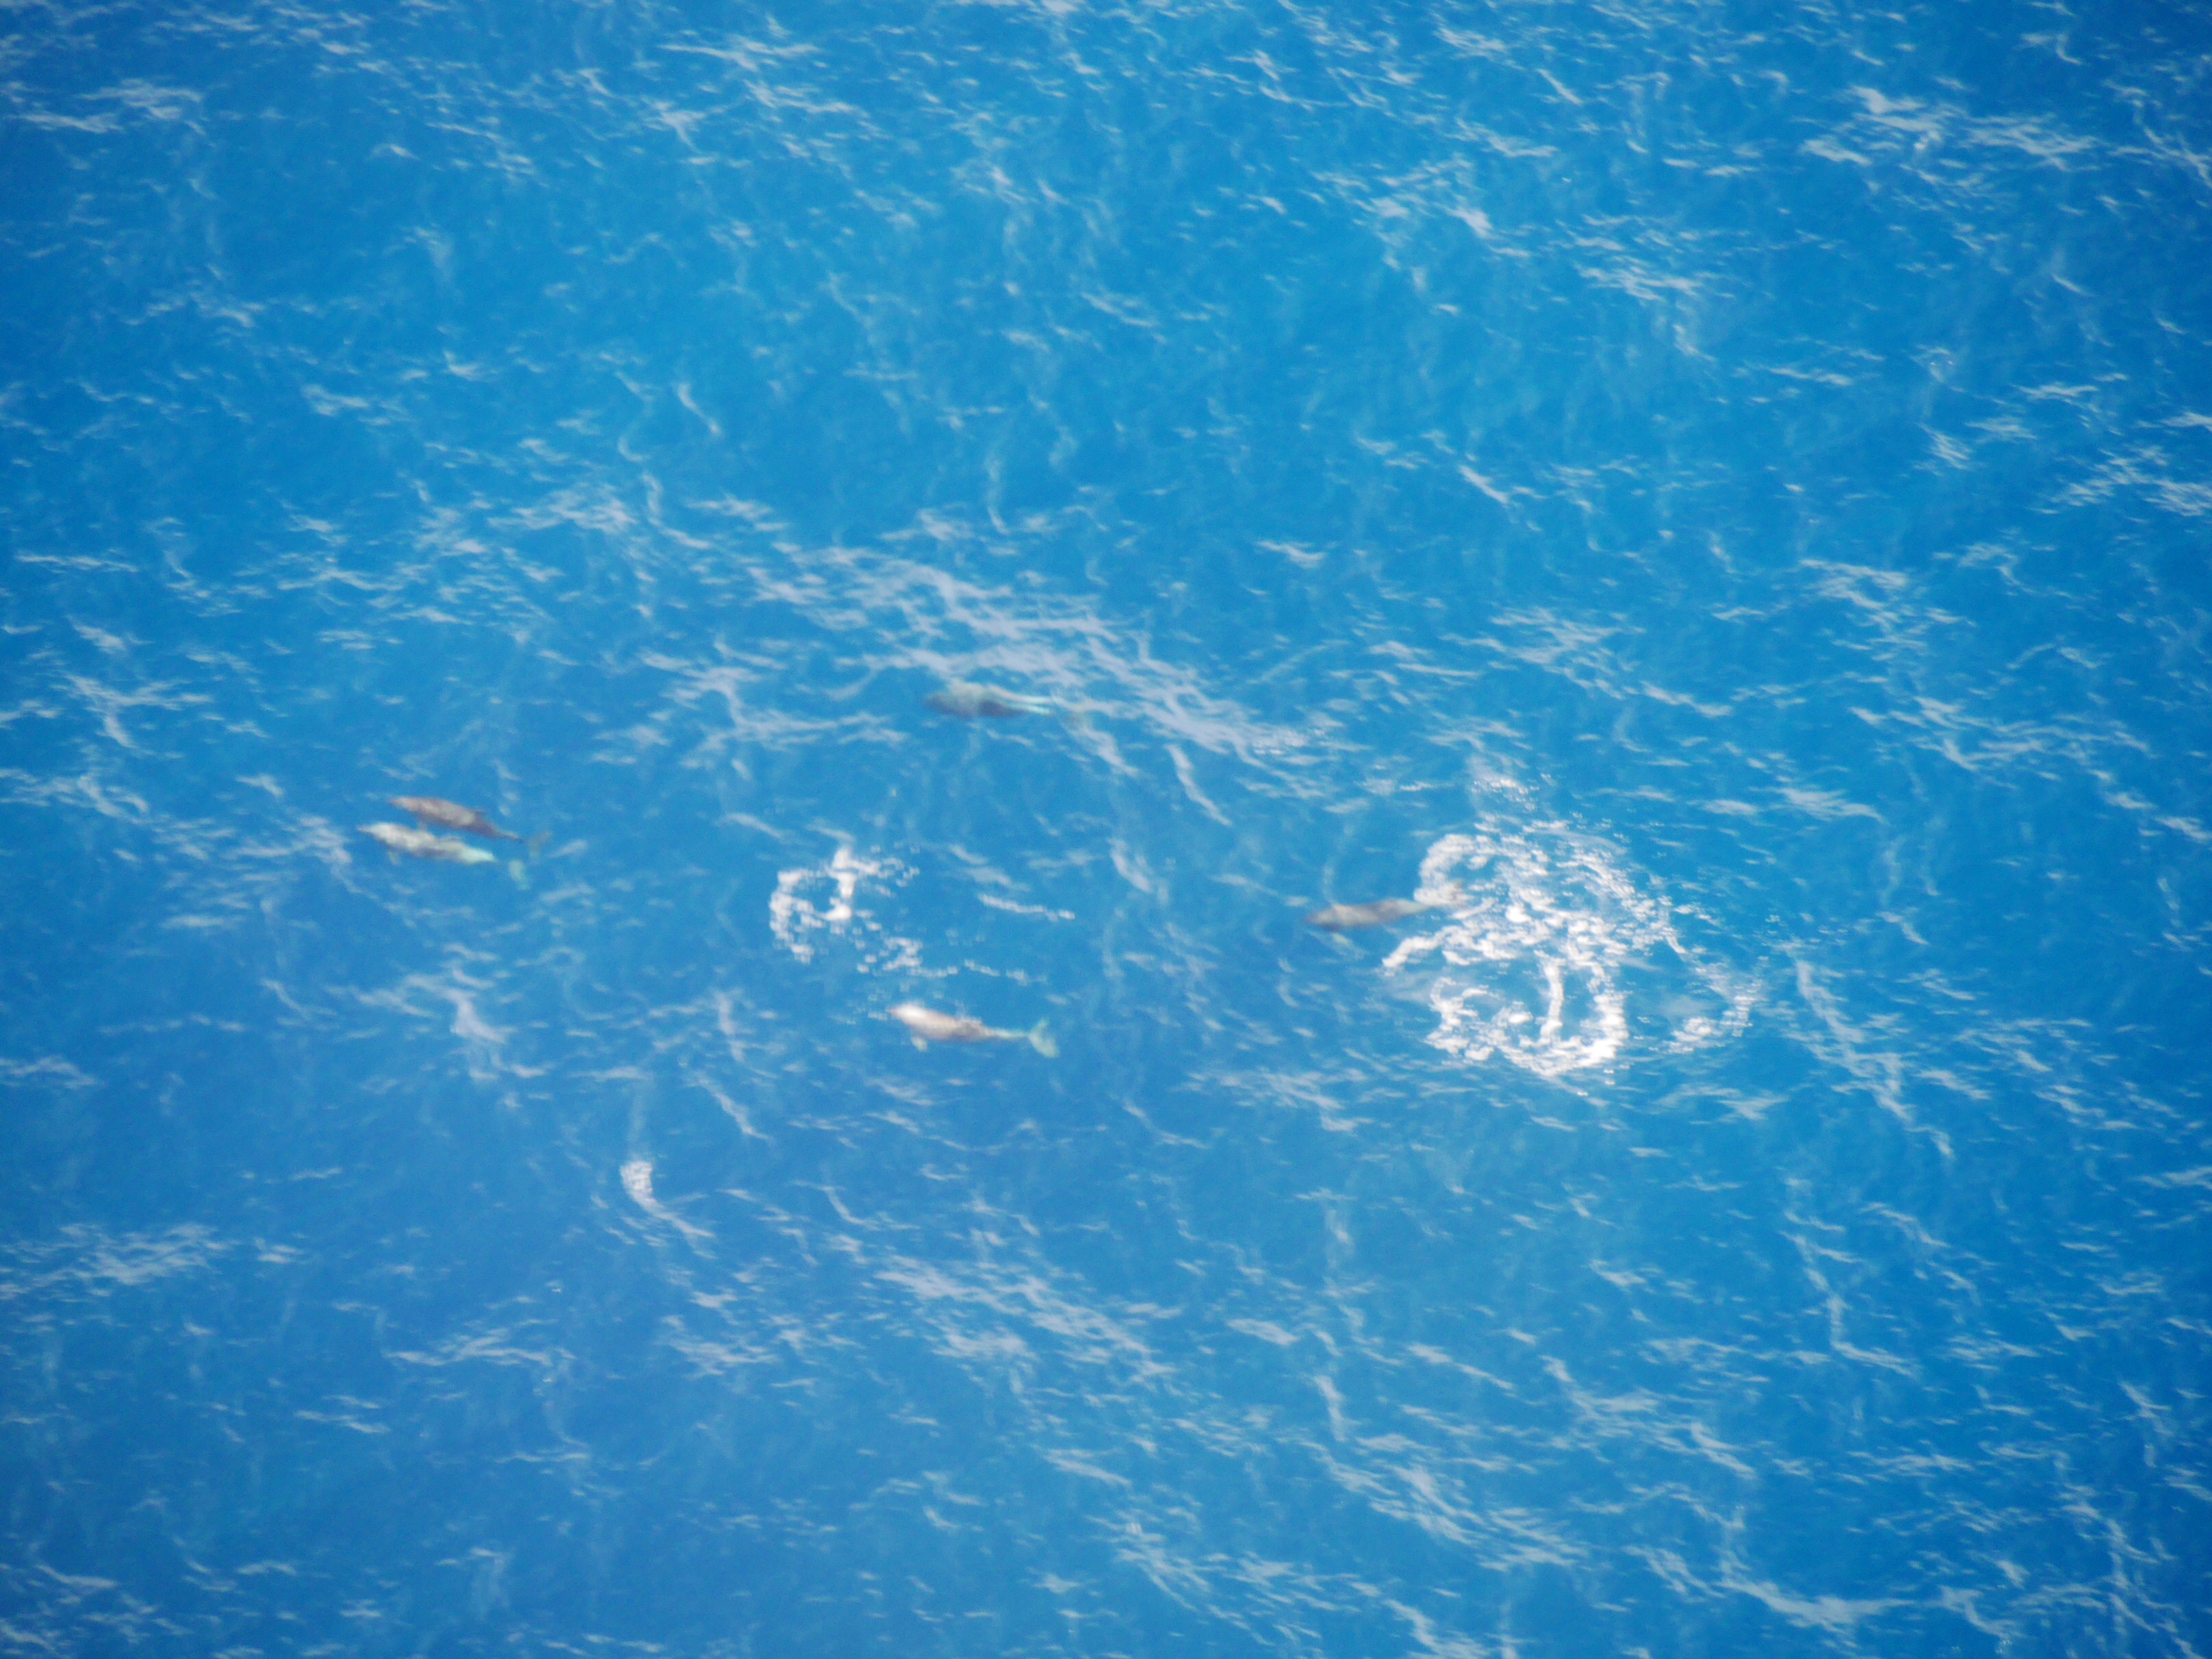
[1712, 500]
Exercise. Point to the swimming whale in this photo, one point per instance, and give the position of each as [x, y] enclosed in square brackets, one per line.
[1343, 918]
[965, 702]
[451, 815]
[397, 838]
[927, 1026]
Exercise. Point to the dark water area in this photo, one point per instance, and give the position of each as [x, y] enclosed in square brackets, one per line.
[1708, 506]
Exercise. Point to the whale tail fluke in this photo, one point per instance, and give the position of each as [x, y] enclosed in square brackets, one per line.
[1041, 1040]
[539, 842]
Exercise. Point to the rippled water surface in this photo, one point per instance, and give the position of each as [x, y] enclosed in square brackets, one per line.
[1705, 507]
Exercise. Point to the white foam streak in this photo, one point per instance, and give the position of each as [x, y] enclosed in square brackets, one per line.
[637, 1182]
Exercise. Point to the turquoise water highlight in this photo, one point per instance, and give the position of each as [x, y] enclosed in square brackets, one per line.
[1713, 502]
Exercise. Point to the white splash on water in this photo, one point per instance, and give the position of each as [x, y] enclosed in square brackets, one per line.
[803, 916]
[637, 1182]
[1541, 925]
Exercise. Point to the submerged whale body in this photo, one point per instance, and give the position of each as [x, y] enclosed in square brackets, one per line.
[397, 838]
[966, 701]
[451, 815]
[1343, 918]
[927, 1025]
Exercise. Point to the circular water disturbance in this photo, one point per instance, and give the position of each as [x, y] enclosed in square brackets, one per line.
[1542, 928]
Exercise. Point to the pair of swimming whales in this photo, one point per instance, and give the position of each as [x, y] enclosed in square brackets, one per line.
[423, 842]
[960, 700]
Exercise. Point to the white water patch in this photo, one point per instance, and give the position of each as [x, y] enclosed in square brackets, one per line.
[818, 904]
[1543, 927]
[637, 1182]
